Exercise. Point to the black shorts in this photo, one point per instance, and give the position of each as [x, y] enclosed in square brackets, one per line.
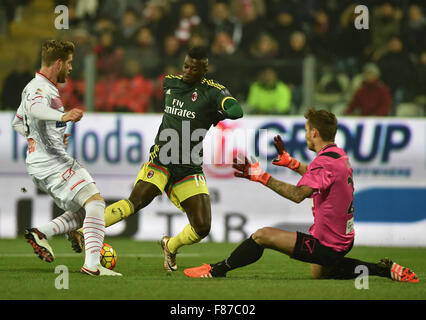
[309, 249]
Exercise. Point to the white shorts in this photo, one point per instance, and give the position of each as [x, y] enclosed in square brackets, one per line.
[64, 186]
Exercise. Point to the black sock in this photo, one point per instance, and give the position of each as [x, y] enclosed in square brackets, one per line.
[345, 269]
[246, 253]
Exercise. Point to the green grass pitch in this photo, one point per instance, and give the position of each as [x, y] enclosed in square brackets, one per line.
[274, 277]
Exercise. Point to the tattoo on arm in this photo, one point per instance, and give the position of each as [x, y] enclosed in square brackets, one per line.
[289, 191]
[302, 169]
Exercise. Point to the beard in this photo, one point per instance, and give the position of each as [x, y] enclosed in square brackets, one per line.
[310, 145]
[62, 76]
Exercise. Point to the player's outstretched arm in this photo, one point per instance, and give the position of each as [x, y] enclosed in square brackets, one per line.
[250, 170]
[285, 160]
[42, 111]
[253, 172]
[290, 191]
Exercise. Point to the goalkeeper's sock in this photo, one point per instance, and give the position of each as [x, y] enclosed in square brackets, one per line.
[186, 237]
[346, 269]
[66, 222]
[118, 211]
[94, 232]
[246, 253]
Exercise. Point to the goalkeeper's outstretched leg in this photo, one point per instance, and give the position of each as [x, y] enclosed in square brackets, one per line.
[325, 262]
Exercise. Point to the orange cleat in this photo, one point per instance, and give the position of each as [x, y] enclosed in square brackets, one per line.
[398, 272]
[199, 272]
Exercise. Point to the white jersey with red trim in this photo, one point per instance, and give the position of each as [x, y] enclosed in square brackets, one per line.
[46, 149]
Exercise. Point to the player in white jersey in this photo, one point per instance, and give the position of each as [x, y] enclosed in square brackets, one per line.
[42, 120]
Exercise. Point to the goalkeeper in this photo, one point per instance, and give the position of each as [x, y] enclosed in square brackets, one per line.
[328, 181]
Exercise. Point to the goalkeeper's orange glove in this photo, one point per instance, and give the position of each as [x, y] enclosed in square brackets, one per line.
[284, 159]
[250, 171]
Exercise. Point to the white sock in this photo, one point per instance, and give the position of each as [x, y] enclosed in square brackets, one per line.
[94, 231]
[66, 222]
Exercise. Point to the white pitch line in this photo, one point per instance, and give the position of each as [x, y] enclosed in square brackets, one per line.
[75, 255]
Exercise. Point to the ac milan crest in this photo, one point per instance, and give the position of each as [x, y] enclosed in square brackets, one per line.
[194, 96]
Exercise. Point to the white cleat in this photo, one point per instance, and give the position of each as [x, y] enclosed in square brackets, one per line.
[39, 242]
[98, 270]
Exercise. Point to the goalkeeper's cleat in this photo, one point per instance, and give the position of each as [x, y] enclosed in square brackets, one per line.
[98, 270]
[169, 258]
[398, 272]
[203, 271]
[77, 240]
[40, 244]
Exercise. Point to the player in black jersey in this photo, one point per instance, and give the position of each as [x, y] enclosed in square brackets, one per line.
[192, 105]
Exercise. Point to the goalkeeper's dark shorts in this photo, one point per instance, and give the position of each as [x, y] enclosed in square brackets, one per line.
[309, 249]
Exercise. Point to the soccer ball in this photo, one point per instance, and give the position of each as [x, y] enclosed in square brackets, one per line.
[108, 256]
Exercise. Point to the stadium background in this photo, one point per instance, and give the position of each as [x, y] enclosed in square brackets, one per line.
[296, 54]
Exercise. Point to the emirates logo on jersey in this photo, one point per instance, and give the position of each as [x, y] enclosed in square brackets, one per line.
[194, 96]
